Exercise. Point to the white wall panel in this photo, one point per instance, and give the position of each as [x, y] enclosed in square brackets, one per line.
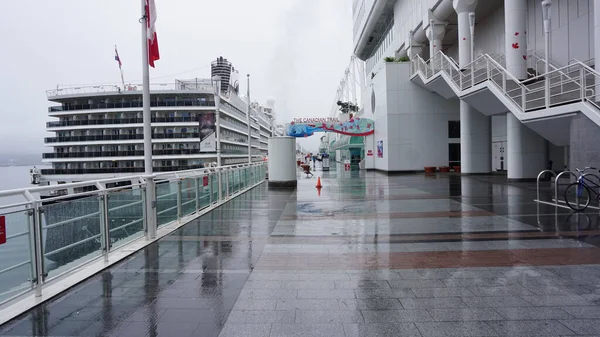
[572, 33]
[489, 34]
[412, 122]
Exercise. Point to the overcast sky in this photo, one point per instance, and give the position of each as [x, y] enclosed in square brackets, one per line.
[295, 50]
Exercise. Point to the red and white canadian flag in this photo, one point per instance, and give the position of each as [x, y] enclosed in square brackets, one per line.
[153, 53]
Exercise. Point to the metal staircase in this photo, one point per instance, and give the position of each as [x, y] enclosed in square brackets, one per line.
[572, 88]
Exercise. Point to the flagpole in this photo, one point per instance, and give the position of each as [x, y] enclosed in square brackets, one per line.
[147, 117]
[249, 124]
[150, 196]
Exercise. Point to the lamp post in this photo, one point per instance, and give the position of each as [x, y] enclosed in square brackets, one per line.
[217, 87]
[248, 122]
[546, 6]
[472, 28]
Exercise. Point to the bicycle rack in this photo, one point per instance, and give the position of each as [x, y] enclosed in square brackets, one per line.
[556, 201]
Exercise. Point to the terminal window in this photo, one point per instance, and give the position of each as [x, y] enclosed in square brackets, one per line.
[453, 129]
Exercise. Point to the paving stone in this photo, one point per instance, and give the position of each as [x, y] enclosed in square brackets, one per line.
[362, 284]
[382, 330]
[370, 304]
[321, 294]
[442, 292]
[530, 313]
[328, 316]
[530, 328]
[307, 304]
[424, 283]
[304, 284]
[392, 316]
[254, 304]
[558, 300]
[384, 293]
[496, 302]
[582, 326]
[460, 315]
[261, 316]
[307, 330]
[432, 303]
[245, 330]
[443, 329]
[418, 274]
[583, 312]
[509, 290]
[269, 293]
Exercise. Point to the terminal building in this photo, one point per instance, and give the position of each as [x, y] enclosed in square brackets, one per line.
[482, 86]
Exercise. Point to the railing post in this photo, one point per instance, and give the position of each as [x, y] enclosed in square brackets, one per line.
[220, 181]
[487, 69]
[472, 74]
[105, 223]
[150, 206]
[179, 183]
[198, 184]
[583, 86]
[226, 183]
[504, 82]
[40, 275]
[523, 98]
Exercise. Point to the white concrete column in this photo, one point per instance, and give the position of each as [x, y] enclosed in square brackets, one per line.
[475, 128]
[435, 31]
[414, 47]
[475, 140]
[515, 32]
[597, 39]
[527, 151]
[463, 8]
[282, 162]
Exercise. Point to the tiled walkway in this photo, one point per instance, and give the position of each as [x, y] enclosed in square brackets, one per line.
[372, 255]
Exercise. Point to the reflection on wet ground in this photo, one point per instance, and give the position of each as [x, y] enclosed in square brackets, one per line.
[371, 255]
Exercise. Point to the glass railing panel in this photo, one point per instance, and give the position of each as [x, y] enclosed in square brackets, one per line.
[166, 205]
[125, 216]
[204, 192]
[16, 266]
[224, 183]
[236, 180]
[72, 233]
[231, 182]
[214, 181]
[188, 196]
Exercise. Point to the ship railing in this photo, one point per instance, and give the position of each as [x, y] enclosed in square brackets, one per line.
[131, 87]
[62, 234]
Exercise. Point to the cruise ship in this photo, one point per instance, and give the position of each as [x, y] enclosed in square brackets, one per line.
[99, 129]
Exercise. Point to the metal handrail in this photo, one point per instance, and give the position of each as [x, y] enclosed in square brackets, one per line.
[465, 81]
[538, 180]
[556, 183]
[34, 209]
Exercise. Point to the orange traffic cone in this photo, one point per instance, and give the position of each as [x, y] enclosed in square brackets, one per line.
[319, 183]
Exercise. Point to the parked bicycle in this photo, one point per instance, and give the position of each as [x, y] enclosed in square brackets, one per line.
[579, 193]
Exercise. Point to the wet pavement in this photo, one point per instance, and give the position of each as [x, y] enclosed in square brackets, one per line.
[370, 255]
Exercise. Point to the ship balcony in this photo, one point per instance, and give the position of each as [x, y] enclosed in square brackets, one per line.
[134, 104]
[100, 154]
[109, 170]
[49, 140]
[121, 121]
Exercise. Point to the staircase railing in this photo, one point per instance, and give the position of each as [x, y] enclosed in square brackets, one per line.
[568, 84]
